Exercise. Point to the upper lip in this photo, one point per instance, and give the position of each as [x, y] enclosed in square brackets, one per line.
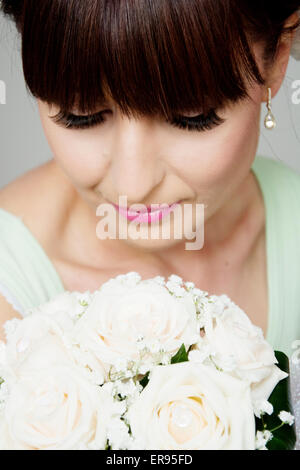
[154, 206]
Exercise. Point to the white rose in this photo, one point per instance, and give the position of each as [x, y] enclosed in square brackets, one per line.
[52, 404]
[120, 314]
[30, 334]
[72, 303]
[187, 406]
[240, 347]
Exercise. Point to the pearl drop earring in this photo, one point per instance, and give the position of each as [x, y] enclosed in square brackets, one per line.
[270, 122]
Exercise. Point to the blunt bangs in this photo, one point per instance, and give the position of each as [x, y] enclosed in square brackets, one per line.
[152, 57]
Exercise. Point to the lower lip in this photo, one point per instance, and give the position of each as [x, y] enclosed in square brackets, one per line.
[147, 217]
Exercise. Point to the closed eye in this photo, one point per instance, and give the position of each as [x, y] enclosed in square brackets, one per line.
[74, 121]
[198, 123]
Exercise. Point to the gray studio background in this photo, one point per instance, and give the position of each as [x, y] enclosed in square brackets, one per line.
[24, 146]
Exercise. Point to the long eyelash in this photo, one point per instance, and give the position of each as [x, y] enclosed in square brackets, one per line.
[198, 123]
[72, 121]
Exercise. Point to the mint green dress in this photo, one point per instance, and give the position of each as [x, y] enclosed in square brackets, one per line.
[28, 277]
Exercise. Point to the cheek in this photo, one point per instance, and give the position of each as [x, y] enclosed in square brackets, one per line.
[78, 153]
[220, 157]
[233, 153]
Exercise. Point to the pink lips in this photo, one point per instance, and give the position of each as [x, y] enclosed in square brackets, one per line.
[147, 215]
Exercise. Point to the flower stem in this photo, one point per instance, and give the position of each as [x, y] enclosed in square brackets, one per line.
[278, 427]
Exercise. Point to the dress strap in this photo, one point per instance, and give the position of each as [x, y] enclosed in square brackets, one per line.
[280, 187]
[28, 276]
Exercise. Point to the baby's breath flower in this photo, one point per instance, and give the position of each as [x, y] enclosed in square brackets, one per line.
[159, 280]
[118, 434]
[165, 359]
[121, 364]
[199, 355]
[189, 285]
[262, 408]
[130, 279]
[175, 279]
[4, 393]
[144, 368]
[226, 300]
[286, 418]
[154, 346]
[175, 289]
[10, 326]
[262, 438]
[198, 292]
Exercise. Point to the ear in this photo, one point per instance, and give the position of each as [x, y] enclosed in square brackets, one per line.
[277, 73]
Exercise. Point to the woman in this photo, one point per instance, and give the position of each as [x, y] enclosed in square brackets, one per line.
[158, 101]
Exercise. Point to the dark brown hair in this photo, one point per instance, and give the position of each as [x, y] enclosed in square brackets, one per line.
[150, 56]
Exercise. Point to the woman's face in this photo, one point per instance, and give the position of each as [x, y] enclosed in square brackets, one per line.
[150, 161]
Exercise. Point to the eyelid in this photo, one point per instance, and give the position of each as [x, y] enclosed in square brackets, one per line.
[185, 116]
[65, 115]
[62, 115]
[202, 122]
[199, 122]
[199, 115]
[196, 115]
[213, 113]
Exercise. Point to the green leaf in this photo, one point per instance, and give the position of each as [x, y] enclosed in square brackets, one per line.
[107, 447]
[285, 437]
[145, 380]
[180, 356]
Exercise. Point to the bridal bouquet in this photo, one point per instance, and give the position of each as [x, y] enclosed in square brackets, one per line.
[142, 364]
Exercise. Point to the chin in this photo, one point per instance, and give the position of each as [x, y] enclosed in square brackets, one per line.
[152, 245]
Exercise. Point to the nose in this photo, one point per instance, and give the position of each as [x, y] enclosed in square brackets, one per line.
[136, 167]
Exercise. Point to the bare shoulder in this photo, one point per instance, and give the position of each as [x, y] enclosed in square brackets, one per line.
[39, 197]
[22, 198]
[16, 195]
